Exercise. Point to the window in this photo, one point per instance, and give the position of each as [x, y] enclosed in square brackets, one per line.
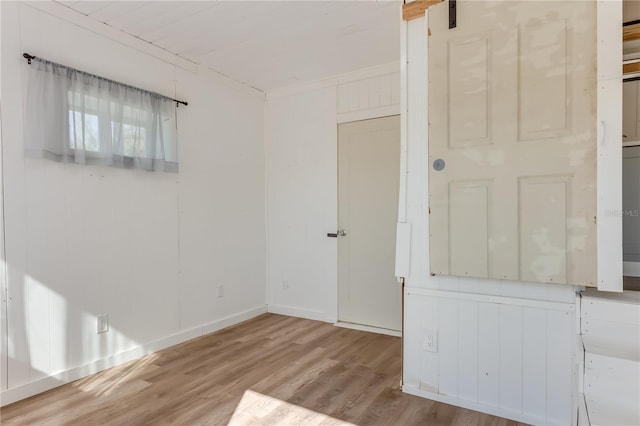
[104, 122]
[85, 122]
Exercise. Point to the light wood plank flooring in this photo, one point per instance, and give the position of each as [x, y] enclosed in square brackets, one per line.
[271, 370]
[631, 283]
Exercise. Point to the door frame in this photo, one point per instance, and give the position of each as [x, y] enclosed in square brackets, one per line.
[609, 146]
[630, 269]
[4, 292]
[371, 114]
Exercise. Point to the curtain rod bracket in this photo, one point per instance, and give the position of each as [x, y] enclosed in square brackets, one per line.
[28, 57]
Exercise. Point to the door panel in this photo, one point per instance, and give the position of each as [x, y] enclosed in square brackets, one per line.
[512, 141]
[468, 218]
[631, 204]
[368, 185]
[630, 111]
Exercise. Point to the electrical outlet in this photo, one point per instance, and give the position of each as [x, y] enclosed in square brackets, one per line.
[430, 341]
[103, 323]
[285, 285]
[220, 291]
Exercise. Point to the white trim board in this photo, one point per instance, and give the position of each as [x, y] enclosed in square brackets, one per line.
[515, 301]
[470, 405]
[21, 392]
[631, 269]
[402, 196]
[292, 311]
[368, 328]
[609, 148]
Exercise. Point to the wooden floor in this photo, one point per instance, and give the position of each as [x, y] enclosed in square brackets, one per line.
[632, 283]
[271, 370]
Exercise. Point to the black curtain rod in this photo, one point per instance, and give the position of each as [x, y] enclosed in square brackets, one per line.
[29, 57]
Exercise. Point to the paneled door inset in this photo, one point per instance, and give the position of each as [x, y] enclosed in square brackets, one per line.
[368, 184]
[512, 141]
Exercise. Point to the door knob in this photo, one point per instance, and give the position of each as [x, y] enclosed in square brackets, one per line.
[340, 233]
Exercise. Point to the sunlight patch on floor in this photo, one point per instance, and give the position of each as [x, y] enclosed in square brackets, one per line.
[257, 409]
[108, 381]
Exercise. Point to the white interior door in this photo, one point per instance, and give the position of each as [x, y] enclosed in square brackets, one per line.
[512, 141]
[631, 207]
[368, 185]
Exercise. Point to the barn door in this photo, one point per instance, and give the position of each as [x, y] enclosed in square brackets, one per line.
[512, 140]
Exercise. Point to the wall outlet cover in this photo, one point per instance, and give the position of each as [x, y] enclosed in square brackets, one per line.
[430, 340]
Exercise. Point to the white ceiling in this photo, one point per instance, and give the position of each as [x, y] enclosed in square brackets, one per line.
[266, 44]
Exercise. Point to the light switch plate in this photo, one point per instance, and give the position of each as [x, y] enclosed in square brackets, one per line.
[103, 323]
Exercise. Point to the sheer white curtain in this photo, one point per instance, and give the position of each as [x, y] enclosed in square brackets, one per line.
[76, 117]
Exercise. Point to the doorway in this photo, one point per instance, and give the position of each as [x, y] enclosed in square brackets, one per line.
[630, 178]
[631, 216]
[368, 186]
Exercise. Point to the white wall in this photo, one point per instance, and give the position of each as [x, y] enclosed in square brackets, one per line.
[301, 174]
[505, 348]
[148, 249]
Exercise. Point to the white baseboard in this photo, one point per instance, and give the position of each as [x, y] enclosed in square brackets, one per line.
[631, 269]
[368, 328]
[233, 319]
[299, 312]
[21, 392]
[470, 405]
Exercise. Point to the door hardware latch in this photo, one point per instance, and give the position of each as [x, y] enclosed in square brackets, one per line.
[452, 14]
